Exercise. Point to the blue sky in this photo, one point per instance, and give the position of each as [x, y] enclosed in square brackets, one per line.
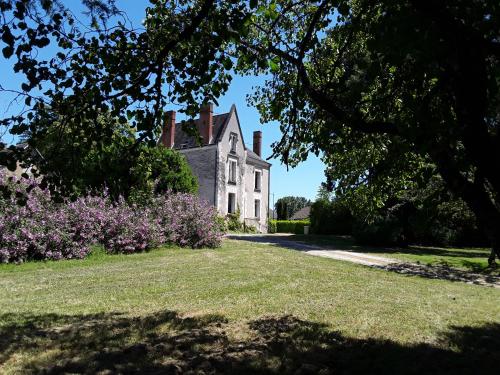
[303, 180]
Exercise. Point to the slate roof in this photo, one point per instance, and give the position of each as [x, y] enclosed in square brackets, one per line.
[183, 140]
[302, 214]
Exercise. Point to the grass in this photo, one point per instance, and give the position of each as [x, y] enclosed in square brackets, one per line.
[243, 308]
[470, 259]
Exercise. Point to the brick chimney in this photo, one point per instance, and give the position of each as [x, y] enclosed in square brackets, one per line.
[168, 134]
[257, 142]
[206, 124]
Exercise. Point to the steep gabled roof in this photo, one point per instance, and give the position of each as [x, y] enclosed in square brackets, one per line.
[184, 140]
[220, 122]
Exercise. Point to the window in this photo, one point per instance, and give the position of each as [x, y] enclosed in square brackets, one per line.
[231, 203]
[258, 180]
[232, 171]
[257, 208]
[233, 139]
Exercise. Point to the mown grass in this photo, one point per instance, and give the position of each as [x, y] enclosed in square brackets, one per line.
[243, 308]
[471, 259]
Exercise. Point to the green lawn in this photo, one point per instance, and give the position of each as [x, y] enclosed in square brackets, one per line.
[244, 308]
[471, 259]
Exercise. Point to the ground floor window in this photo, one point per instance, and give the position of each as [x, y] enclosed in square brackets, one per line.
[231, 203]
[257, 208]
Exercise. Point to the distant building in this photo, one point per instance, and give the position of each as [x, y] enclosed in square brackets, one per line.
[302, 214]
[231, 177]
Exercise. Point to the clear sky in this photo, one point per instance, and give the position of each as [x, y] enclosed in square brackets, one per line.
[303, 180]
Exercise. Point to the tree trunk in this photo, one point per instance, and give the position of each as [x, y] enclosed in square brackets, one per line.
[476, 196]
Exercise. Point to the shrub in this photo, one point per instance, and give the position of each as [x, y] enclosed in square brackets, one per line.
[160, 170]
[129, 229]
[188, 221]
[42, 229]
[233, 222]
[271, 226]
[290, 226]
[331, 217]
[383, 231]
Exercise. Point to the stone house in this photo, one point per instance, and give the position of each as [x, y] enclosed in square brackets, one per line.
[231, 177]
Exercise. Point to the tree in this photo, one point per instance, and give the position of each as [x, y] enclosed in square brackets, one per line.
[159, 170]
[103, 64]
[109, 162]
[383, 88]
[285, 207]
[394, 84]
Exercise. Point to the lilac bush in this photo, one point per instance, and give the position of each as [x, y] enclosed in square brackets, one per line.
[45, 230]
[187, 220]
[39, 230]
[130, 229]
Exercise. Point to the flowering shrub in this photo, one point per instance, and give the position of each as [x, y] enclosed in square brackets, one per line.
[39, 230]
[44, 230]
[129, 229]
[188, 221]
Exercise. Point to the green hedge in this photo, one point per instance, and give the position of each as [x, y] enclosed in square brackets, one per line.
[288, 226]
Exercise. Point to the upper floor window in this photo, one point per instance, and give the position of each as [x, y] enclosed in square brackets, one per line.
[258, 180]
[232, 171]
[233, 140]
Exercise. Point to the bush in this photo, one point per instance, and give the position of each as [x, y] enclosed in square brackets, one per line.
[289, 226]
[40, 230]
[233, 222]
[330, 217]
[188, 221]
[384, 231]
[129, 229]
[271, 226]
[44, 230]
[160, 170]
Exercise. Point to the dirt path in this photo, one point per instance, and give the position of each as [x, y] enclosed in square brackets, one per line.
[388, 264]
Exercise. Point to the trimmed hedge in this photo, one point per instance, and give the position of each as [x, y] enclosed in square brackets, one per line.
[288, 226]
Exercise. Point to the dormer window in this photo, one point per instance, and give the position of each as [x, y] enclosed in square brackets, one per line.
[233, 140]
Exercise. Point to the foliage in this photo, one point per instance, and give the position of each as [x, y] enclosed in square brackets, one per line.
[104, 64]
[129, 229]
[359, 82]
[40, 230]
[285, 207]
[289, 226]
[426, 215]
[331, 217]
[233, 221]
[187, 220]
[272, 226]
[43, 229]
[114, 161]
[249, 228]
[158, 170]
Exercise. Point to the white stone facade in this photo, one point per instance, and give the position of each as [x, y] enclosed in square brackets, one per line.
[231, 177]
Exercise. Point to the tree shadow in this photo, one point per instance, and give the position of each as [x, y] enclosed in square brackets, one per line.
[166, 343]
[347, 243]
[443, 272]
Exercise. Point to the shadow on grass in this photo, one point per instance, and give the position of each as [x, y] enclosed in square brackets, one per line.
[169, 344]
[347, 243]
[443, 272]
